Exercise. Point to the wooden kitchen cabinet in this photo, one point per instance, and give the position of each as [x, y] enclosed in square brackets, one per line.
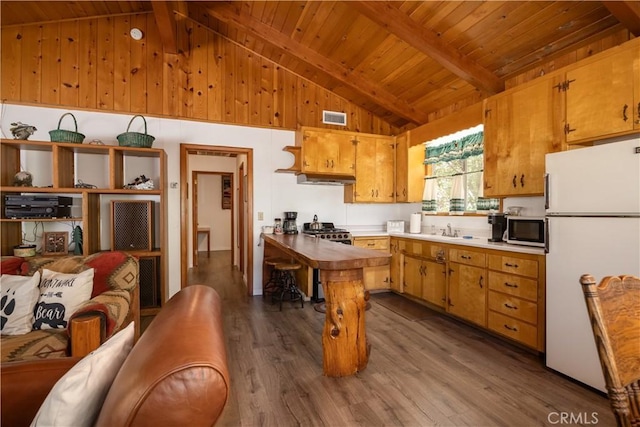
[397, 247]
[327, 151]
[410, 170]
[375, 278]
[516, 298]
[375, 170]
[603, 97]
[425, 272]
[467, 285]
[521, 126]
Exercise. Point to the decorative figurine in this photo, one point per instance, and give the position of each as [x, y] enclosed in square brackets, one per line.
[21, 130]
[23, 179]
[76, 237]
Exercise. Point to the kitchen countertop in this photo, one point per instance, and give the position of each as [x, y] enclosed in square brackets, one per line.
[479, 242]
[326, 255]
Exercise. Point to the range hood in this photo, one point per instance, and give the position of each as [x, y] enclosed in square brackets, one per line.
[325, 179]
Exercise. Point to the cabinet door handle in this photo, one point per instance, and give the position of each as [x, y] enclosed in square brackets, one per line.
[332, 163]
[327, 163]
[508, 264]
[522, 180]
[514, 181]
[481, 282]
[624, 112]
[376, 193]
[512, 307]
[510, 285]
[567, 129]
[638, 121]
[511, 328]
[371, 244]
[465, 257]
[372, 193]
[450, 303]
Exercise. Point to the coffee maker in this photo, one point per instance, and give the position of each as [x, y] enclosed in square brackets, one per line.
[498, 223]
[290, 226]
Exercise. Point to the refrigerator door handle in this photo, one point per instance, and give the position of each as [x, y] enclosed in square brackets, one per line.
[546, 191]
[546, 235]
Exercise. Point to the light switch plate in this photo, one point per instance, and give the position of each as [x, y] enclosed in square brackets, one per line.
[260, 216]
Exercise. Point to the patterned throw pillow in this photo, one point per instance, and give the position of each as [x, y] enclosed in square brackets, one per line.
[60, 296]
[18, 296]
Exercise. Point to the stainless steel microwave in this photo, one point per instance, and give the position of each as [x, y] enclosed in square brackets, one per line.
[526, 230]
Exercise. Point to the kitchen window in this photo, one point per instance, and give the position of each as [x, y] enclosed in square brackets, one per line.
[454, 181]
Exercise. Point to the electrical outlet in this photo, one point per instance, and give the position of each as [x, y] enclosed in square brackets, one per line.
[260, 216]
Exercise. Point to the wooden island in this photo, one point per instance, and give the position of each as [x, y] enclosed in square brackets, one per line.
[345, 350]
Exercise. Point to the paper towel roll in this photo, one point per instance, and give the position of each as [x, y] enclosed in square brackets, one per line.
[415, 226]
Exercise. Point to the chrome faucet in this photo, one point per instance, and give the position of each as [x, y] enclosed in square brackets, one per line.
[448, 233]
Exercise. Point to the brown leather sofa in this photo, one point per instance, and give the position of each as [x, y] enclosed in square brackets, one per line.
[176, 374]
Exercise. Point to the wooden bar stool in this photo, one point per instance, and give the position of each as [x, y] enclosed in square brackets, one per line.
[287, 280]
[274, 284]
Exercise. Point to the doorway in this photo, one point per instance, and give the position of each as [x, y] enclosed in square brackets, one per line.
[242, 217]
[213, 212]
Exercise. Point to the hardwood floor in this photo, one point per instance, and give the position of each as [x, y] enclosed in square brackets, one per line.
[432, 372]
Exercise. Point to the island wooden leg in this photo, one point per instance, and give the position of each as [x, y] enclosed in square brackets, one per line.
[344, 341]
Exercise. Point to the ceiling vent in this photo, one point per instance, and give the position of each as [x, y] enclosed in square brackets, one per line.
[334, 118]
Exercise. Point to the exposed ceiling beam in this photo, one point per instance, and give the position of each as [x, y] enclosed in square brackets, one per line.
[388, 16]
[167, 27]
[375, 93]
[627, 12]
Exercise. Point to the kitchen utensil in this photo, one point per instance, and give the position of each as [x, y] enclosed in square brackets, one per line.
[315, 225]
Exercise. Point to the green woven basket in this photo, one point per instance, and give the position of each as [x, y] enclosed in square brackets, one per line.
[136, 139]
[61, 135]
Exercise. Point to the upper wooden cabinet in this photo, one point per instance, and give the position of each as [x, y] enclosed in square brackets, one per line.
[593, 99]
[327, 151]
[375, 166]
[521, 126]
[410, 170]
[603, 97]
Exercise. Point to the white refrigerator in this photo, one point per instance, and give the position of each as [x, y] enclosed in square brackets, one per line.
[592, 196]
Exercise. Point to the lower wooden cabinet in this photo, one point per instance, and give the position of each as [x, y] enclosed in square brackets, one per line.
[375, 278]
[501, 291]
[467, 292]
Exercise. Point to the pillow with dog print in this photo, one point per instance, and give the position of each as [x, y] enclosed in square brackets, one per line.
[60, 296]
[18, 296]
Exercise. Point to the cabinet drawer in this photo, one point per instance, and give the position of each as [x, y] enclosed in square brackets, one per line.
[434, 251]
[514, 285]
[515, 265]
[513, 328]
[514, 307]
[464, 256]
[378, 243]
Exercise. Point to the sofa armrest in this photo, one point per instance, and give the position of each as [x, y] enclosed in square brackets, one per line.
[25, 385]
[114, 305]
[86, 332]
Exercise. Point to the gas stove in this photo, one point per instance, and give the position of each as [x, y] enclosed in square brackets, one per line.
[328, 232]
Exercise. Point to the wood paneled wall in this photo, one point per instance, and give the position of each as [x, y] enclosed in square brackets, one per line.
[94, 64]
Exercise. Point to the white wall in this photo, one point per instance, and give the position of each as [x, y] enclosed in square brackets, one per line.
[273, 192]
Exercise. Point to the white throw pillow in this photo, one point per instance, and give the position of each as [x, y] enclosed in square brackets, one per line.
[18, 297]
[60, 296]
[77, 397]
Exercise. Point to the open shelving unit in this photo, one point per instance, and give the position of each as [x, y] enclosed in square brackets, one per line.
[58, 167]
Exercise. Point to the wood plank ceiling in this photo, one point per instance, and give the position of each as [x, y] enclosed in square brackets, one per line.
[400, 60]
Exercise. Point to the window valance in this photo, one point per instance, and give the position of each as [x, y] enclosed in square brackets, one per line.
[459, 149]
